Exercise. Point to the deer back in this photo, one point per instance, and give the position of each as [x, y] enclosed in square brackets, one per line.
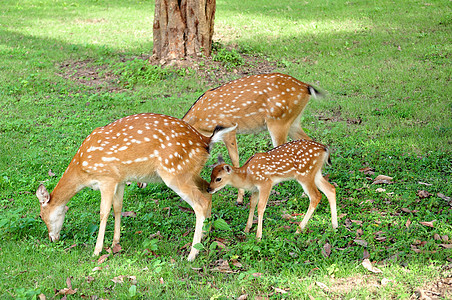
[249, 102]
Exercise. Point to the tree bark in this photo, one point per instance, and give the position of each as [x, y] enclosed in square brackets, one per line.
[183, 28]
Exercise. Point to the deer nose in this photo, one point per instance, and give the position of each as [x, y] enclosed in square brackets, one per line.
[209, 190]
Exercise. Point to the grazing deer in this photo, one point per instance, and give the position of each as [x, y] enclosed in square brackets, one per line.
[301, 160]
[273, 101]
[141, 147]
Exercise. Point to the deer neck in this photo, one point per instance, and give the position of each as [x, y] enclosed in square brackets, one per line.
[241, 179]
[65, 189]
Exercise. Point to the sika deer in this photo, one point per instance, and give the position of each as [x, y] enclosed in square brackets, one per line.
[301, 160]
[273, 101]
[141, 147]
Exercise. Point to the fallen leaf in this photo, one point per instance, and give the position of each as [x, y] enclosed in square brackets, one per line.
[423, 194]
[321, 285]
[357, 222]
[382, 179]
[368, 265]
[162, 281]
[51, 174]
[116, 248]
[406, 210]
[42, 297]
[278, 290]
[186, 209]
[103, 258]
[129, 214]
[408, 223]
[96, 269]
[326, 251]
[442, 196]
[286, 216]
[436, 237]
[222, 266]
[424, 183]
[359, 232]
[243, 297]
[361, 242]
[446, 246]
[367, 171]
[366, 254]
[341, 216]
[385, 281]
[89, 279]
[445, 238]
[429, 224]
[257, 274]
[120, 279]
[68, 290]
[70, 247]
[380, 190]
[236, 263]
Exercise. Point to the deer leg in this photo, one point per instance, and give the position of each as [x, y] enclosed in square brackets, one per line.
[253, 202]
[330, 191]
[278, 130]
[297, 133]
[230, 140]
[264, 193]
[117, 208]
[314, 199]
[106, 191]
[201, 202]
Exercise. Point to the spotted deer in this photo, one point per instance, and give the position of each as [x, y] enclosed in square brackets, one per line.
[142, 147]
[273, 101]
[301, 160]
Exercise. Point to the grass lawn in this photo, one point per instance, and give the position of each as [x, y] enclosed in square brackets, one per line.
[70, 66]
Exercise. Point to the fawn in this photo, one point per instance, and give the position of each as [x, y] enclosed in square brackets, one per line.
[141, 147]
[301, 160]
[273, 101]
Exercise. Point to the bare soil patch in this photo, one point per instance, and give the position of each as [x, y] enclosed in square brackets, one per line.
[213, 73]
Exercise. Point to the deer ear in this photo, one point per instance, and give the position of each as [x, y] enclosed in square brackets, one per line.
[42, 194]
[228, 169]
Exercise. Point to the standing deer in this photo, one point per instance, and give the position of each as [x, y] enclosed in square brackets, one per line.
[273, 101]
[141, 147]
[301, 160]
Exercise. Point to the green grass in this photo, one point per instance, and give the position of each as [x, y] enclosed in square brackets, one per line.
[386, 69]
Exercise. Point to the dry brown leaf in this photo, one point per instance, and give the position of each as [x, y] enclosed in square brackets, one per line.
[445, 238]
[89, 279]
[442, 196]
[286, 216]
[116, 248]
[380, 190]
[367, 171]
[408, 223]
[42, 297]
[51, 174]
[368, 265]
[129, 214]
[321, 285]
[103, 258]
[423, 194]
[429, 224]
[361, 242]
[446, 246]
[278, 290]
[382, 179]
[257, 274]
[70, 247]
[243, 297]
[68, 290]
[326, 251]
[96, 269]
[436, 237]
[236, 263]
[222, 266]
[366, 254]
[161, 280]
[359, 232]
[357, 222]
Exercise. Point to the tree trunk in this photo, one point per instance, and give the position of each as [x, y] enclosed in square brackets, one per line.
[183, 28]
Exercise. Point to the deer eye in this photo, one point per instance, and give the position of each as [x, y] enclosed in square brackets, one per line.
[218, 179]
